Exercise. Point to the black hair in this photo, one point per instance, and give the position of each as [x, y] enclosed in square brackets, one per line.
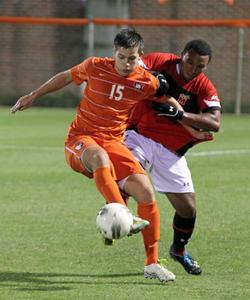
[199, 46]
[128, 38]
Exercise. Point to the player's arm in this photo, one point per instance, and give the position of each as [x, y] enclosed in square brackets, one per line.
[170, 109]
[209, 104]
[55, 83]
[208, 121]
[173, 110]
[199, 134]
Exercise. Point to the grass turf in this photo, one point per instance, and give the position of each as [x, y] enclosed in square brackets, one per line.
[49, 245]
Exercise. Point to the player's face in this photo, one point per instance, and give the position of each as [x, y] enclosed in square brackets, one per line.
[126, 60]
[192, 64]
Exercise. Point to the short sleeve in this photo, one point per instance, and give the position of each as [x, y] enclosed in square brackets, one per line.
[80, 72]
[209, 98]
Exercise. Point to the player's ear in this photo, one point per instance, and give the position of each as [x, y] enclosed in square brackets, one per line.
[141, 52]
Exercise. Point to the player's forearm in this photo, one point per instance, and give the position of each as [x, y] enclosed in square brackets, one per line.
[205, 121]
[57, 82]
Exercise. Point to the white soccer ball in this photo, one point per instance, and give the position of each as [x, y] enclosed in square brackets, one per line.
[114, 221]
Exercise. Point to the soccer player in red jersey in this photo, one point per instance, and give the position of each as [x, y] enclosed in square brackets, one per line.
[94, 144]
[162, 136]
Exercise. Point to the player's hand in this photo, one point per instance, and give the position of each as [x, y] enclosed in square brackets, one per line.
[205, 136]
[167, 110]
[163, 84]
[23, 103]
[199, 134]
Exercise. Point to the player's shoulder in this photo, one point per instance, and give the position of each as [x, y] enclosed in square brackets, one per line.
[101, 61]
[145, 74]
[143, 80]
[160, 55]
[85, 63]
[158, 60]
[207, 92]
[204, 83]
[94, 62]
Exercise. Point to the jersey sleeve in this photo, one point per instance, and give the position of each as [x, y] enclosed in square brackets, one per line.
[80, 72]
[208, 98]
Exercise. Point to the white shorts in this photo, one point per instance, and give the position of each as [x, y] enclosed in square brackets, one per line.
[169, 173]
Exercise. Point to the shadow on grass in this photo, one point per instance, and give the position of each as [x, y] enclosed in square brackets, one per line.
[56, 281]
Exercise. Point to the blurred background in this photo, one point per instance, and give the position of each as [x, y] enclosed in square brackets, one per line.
[32, 53]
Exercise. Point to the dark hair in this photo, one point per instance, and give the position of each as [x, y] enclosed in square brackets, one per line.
[199, 46]
[128, 38]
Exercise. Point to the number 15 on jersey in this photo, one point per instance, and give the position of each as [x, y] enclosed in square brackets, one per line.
[116, 92]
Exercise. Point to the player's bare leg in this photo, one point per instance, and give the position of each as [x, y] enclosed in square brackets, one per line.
[183, 226]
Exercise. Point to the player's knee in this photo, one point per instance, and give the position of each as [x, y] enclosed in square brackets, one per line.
[184, 204]
[140, 188]
[95, 157]
[146, 195]
[187, 211]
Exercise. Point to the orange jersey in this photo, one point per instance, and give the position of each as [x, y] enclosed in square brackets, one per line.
[108, 98]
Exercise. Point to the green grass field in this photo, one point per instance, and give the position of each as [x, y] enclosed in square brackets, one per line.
[49, 245]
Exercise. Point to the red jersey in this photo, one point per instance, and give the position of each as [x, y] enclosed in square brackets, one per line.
[108, 98]
[196, 96]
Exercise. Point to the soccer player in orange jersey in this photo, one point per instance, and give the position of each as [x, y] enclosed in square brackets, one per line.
[94, 144]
